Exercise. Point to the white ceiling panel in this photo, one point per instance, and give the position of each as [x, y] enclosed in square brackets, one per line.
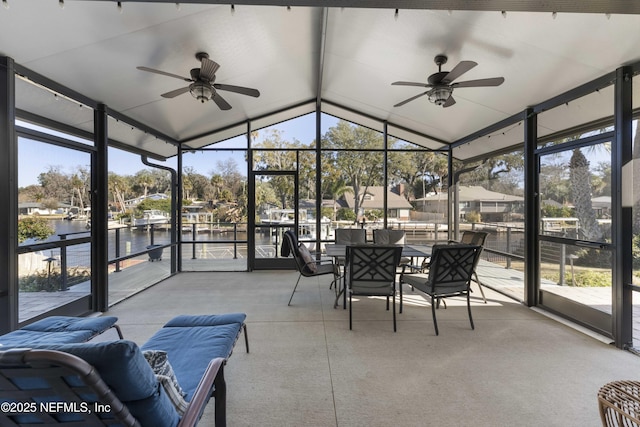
[293, 56]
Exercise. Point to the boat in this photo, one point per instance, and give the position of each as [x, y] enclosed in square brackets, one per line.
[282, 219]
[151, 216]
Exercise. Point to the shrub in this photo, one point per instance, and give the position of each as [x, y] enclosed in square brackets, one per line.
[473, 216]
[33, 227]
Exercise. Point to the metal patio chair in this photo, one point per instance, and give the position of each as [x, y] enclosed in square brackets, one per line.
[305, 264]
[371, 271]
[449, 275]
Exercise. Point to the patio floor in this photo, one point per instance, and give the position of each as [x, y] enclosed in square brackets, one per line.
[518, 367]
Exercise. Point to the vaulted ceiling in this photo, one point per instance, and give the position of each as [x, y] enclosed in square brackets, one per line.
[342, 59]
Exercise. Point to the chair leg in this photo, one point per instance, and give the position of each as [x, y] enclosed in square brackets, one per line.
[246, 337]
[350, 314]
[294, 289]
[433, 314]
[469, 309]
[475, 275]
[394, 311]
[400, 311]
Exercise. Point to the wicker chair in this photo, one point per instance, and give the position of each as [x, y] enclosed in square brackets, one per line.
[619, 404]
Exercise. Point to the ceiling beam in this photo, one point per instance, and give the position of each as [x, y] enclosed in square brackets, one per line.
[321, 52]
[560, 6]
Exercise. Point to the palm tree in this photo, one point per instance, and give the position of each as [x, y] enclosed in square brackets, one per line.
[580, 179]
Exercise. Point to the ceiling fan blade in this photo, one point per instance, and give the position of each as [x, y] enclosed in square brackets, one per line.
[175, 93]
[495, 81]
[238, 89]
[410, 99]
[449, 102]
[224, 105]
[411, 84]
[208, 69]
[458, 70]
[164, 73]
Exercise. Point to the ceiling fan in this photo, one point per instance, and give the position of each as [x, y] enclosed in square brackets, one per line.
[441, 83]
[202, 85]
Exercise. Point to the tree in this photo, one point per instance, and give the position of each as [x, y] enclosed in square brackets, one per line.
[580, 178]
[143, 179]
[55, 184]
[118, 186]
[359, 169]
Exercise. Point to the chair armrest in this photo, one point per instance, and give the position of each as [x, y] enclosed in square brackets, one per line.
[202, 394]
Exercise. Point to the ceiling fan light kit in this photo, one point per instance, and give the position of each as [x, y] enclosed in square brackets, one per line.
[201, 91]
[439, 95]
[441, 83]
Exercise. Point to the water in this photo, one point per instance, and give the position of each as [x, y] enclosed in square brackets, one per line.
[135, 240]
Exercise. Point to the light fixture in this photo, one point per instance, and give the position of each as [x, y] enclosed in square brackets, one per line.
[61, 4]
[395, 15]
[554, 15]
[439, 95]
[233, 9]
[5, 3]
[504, 14]
[178, 7]
[201, 91]
[119, 6]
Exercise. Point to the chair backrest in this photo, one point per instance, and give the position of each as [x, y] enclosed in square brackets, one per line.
[474, 237]
[371, 270]
[451, 267]
[389, 237]
[291, 246]
[350, 236]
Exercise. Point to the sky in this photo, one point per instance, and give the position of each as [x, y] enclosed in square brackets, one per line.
[35, 157]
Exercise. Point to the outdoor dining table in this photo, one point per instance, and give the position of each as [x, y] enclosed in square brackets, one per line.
[340, 251]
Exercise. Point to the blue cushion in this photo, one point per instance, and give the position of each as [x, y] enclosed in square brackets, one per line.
[58, 330]
[66, 323]
[191, 348]
[125, 370]
[24, 338]
[207, 320]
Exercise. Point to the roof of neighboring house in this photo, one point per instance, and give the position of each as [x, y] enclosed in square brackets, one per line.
[474, 193]
[375, 199]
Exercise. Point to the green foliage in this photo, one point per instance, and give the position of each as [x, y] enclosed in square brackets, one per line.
[161, 205]
[635, 250]
[473, 216]
[373, 214]
[326, 212]
[345, 214]
[33, 227]
[591, 279]
[549, 211]
[593, 258]
[52, 281]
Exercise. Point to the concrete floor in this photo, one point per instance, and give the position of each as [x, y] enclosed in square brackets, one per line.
[306, 368]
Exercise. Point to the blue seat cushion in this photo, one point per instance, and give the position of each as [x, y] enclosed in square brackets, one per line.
[124, 369]
[58, 330]
[191, 342]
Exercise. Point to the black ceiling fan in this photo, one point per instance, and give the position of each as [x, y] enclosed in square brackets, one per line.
[202, 85]
[441, 83]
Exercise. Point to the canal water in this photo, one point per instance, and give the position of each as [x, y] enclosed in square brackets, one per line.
[130, 240]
